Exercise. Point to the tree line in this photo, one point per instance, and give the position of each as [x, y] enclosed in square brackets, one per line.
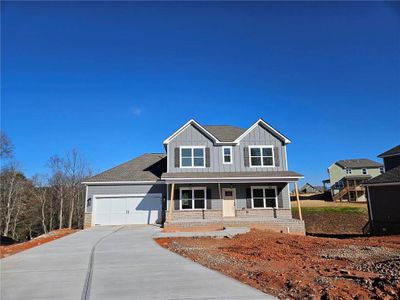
[33, 206]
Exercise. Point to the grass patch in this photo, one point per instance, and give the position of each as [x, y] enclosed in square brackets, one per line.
[332, 209]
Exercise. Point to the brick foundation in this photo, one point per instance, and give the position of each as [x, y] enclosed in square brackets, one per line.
[279, 220]
[88, 220]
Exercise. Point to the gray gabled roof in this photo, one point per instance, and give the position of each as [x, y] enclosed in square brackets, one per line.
[391, 176]
[316, 187]
[393, 151]
[225, 133]
[147, 167]
[358, 163]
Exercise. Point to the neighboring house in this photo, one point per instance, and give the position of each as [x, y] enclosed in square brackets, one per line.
[210, 175]
[308, 189]
[346, 178]
[383, 194]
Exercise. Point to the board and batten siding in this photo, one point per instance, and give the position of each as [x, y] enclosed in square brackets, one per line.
[123, 190]
[191, 136]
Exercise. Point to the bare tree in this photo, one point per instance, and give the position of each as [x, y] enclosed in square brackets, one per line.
[6, 146]
[76, 170]
[13, 186]
[67, 175]
[40, 194]
[58, 182]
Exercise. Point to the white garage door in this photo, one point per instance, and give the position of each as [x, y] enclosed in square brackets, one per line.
[127, 210]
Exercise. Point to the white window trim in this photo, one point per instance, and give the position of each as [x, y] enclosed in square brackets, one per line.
[264, 198]
[230, 154]
[381, 170]
[192, 148]
[348, 171]
[262, 161]
[366, 171]
[192, 189]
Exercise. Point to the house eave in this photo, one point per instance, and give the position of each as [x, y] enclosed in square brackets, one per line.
[88, 183]
[234, 180]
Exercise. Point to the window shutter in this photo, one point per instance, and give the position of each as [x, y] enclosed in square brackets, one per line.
[176, 199]
[248, 198]
[207, 157]
[246, 156]
[209, 196]
[176, 157]
[276, 157]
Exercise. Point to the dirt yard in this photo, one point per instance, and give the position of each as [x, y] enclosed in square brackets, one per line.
[45, 238]
[332, 218]
[301, 267]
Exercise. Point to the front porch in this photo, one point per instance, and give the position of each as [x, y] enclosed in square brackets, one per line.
[220, 203]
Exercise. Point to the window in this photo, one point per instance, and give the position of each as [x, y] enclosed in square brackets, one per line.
[261, 156]
[193, 198]
[228, 193]
[264, 197]
[339, 184]
[381, 170]
[364, 171]
[227, 155]
[348, 171]
[192, 157]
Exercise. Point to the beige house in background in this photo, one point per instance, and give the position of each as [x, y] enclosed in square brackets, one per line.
[346, 178]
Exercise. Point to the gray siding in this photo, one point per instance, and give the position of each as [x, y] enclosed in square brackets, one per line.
[384, 206]
[191, 136]
[391, 162]
[123, 190]
[241, 199]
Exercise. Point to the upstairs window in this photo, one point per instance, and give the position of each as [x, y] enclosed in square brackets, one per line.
[381, 170]
[348, 171]
[261, 156]
[227, 155]
[364, 171]
[192, 157]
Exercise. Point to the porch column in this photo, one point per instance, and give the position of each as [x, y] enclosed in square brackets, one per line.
[298, 200]
[171, 204]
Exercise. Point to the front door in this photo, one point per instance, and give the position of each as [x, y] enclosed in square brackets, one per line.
[228, 202]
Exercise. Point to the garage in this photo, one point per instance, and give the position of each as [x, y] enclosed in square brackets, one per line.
[127, 209]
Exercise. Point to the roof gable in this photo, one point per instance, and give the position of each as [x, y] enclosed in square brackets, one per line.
[192, 122]
[266, 126]
[227, 134]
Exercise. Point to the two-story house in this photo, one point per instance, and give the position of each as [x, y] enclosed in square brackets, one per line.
[210, 175]
[346, 178]
[383, 194]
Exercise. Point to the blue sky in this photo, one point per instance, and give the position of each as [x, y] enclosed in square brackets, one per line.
[115, 79]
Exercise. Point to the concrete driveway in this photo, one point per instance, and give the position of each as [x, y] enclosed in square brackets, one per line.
[113, 263]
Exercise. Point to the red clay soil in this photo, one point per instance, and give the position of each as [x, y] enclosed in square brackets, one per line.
[301, 267]
[45, 238]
